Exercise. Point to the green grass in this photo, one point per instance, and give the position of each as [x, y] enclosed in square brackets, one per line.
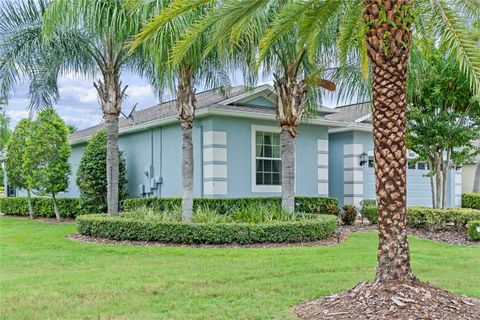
[44, 276]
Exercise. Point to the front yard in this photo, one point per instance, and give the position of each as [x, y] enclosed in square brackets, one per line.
[44, 276]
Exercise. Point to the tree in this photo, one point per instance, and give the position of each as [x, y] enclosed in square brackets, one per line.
[476, 180]
[42, 39]
[443, 119]
[109, 27]
[158, 39]
[22, 163]
[296, 77]
[54, 152]
[4, 135]
[378, 34]
[92, 174]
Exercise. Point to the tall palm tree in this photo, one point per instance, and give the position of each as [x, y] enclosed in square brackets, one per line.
[378, 34]
[107, 27]
[382, 30]
[296, 77]
[191, 70]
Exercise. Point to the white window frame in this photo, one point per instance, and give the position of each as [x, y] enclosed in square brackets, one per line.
[255, 187]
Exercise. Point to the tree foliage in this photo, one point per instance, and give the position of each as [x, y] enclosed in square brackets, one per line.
[54, 152]
[443, 119]
[92, 175]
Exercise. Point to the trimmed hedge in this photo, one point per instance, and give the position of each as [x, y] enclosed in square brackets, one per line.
[42, 207]
[228, 205]
[471, 200]
[473, 232]
[117, 228]
[371, 213]
[434, 219]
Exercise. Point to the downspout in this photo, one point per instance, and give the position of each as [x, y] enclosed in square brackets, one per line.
[200, 127]
[160, 174]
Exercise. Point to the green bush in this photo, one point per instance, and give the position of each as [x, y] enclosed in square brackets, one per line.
[473, 233]
[120, 228]
[230, 205]
[42, 207]
[92, 175]
[371, 213]
[434, 219]
[471, 200]
[349, 214]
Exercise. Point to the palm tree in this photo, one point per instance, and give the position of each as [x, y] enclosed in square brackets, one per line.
[106, 27]
[192, 69]
[296, 77]
[380, 32]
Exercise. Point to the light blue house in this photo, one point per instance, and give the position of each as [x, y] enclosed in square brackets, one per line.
[333, 151]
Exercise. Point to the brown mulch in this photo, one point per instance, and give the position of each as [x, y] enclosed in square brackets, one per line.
[42, 219]
[391, 300]
[448, 235]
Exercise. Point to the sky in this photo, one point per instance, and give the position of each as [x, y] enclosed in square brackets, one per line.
[78, 103]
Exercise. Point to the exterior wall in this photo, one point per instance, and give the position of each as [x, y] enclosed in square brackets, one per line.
[468, 177]
[239, 157]
[351, 183]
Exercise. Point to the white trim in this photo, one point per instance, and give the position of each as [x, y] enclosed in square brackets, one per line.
[365, 117]
[215, 137]
[215, 187]
[322, 145]
[355, 149]
[322, 174]
[322, 159]
[214, 154]
[249, 93]
[353, 176]
[352, 127]
[215, 171]
[322, 188]
[353, 188]
[255, 187]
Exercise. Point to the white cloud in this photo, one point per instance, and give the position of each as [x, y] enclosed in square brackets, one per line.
[79, 93]
[143, 92]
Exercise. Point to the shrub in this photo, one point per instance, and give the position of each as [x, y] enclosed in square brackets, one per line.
[333, 209]
[474, 230]
[120, 228]
[92, 175]
[349, 214]
[371, 213]
[230, 205]
[42, 207]
[436, 218]
[471, 200]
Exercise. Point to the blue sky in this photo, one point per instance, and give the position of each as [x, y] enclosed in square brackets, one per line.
[78, 104]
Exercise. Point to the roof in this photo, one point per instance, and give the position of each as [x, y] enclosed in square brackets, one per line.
[162, 110]
[351, 113]
[212, 101]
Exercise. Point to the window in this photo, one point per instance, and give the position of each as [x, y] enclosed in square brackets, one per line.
[421, 166]
[266, 159]
[268, 162]
[411, 165]
[370, 163]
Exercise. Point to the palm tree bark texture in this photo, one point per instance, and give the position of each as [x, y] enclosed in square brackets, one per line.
[388, 40]
[291, 99]
[111, 95]
[186, 113]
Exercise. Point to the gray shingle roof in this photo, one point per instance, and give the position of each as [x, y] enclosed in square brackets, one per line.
[350, 113]
[164, 110]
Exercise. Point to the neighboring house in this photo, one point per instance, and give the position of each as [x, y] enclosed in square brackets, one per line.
[468, 174]
[354, 176]
[237, 151]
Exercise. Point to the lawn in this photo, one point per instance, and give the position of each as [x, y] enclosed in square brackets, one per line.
[44, 276]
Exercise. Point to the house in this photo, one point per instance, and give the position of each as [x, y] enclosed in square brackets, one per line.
[334, 151]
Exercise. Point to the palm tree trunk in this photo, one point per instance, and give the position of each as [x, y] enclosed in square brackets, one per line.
[111, 95]
[186, 113]
[287, 141]
[55, 207]
[29, 200]
[291, 99]
[388, 49]
[113, 163]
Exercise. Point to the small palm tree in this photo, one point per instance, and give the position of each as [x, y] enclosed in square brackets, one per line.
[296, 78]
[158, 38]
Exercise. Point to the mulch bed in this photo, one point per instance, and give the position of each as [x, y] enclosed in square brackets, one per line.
[391, 300]
[42, 219]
